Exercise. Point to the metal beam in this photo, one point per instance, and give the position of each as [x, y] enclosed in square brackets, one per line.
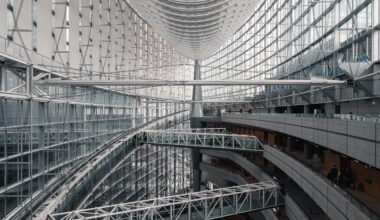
[137, 82]
[202, 102]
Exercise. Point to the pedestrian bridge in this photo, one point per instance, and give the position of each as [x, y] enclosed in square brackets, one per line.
[209, 204]
[202, 138]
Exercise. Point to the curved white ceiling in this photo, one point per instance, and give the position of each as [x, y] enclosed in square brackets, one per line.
[196, 28]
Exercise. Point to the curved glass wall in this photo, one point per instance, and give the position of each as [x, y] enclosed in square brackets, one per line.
[294, 39]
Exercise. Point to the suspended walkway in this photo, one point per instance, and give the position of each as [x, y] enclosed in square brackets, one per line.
[209, 204]
[202, 138]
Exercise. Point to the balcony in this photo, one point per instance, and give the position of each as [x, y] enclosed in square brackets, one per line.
[354, 136]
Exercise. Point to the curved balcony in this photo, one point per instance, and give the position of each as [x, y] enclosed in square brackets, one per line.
[332, 199]
[355, 136]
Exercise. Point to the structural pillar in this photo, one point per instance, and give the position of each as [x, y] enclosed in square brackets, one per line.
[289, 144]
[196, 111]
[29, 80]
[376, 44]
[306, 109]
[41, 142]
[157, 109]
[196, 108]
[3, 78]
[147, 111]
[376, 33]
[288, 109]
[307, 151]
[133, 116]
[157, 170]
[166, 108]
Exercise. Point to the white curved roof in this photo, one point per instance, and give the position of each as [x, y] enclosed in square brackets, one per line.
[196, 28]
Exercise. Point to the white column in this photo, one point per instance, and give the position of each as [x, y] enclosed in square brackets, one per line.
[3, 78]
[147, 115]
[376, 33]
[158, 109]
[196, 110]
[28, 80]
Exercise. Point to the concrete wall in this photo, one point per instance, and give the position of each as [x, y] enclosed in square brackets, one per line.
[357, 139]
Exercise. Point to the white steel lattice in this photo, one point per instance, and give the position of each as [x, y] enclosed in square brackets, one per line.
[210, 204]
[203, 140]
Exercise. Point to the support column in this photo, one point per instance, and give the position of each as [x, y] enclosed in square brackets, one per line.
[134, 115]
[3, 78]
[196, 108]
[147, 170]
[289, 144]
[306, 109]
[166, 161]
[307, 151]
[175, 170]
[157, 164]
[288, 109]
[136, 170]
[28, 80]
[147, 111]
[376, 44]
[376, 33]
[73, 146]
[157, 109]
[41, 143]
[196, 111]
[92, 118]
[183, 169]
[196, 159]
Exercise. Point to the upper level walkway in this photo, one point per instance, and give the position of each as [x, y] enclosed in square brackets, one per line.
[355, 136]
[209, 204]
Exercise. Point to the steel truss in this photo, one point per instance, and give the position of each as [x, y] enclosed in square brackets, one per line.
[210, 204]
[202, 140]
